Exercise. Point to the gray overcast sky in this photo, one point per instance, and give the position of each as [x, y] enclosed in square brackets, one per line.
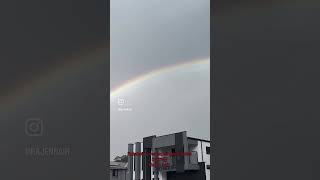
[148, 35]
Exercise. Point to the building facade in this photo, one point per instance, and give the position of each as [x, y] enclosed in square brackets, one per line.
[169, 157]
[118, 171]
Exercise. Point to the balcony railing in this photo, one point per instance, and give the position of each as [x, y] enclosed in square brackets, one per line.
[168, 163]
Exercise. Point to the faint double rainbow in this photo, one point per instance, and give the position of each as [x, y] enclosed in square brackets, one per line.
[87, 60]
[139, 79]
[76, 63]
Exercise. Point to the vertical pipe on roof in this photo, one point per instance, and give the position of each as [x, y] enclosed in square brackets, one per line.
[130, 162]
[137, 161]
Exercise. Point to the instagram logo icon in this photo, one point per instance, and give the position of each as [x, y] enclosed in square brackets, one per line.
[34, 127]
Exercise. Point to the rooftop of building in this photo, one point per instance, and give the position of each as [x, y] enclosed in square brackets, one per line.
[197, 139]
[118, 165]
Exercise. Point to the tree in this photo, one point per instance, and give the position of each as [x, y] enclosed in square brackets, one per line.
[123, 158]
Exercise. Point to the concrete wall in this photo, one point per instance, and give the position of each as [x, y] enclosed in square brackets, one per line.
[188, 175]
[202, 155]
[206, 158]
[130, 162]
[163, 141]
[137, 161]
